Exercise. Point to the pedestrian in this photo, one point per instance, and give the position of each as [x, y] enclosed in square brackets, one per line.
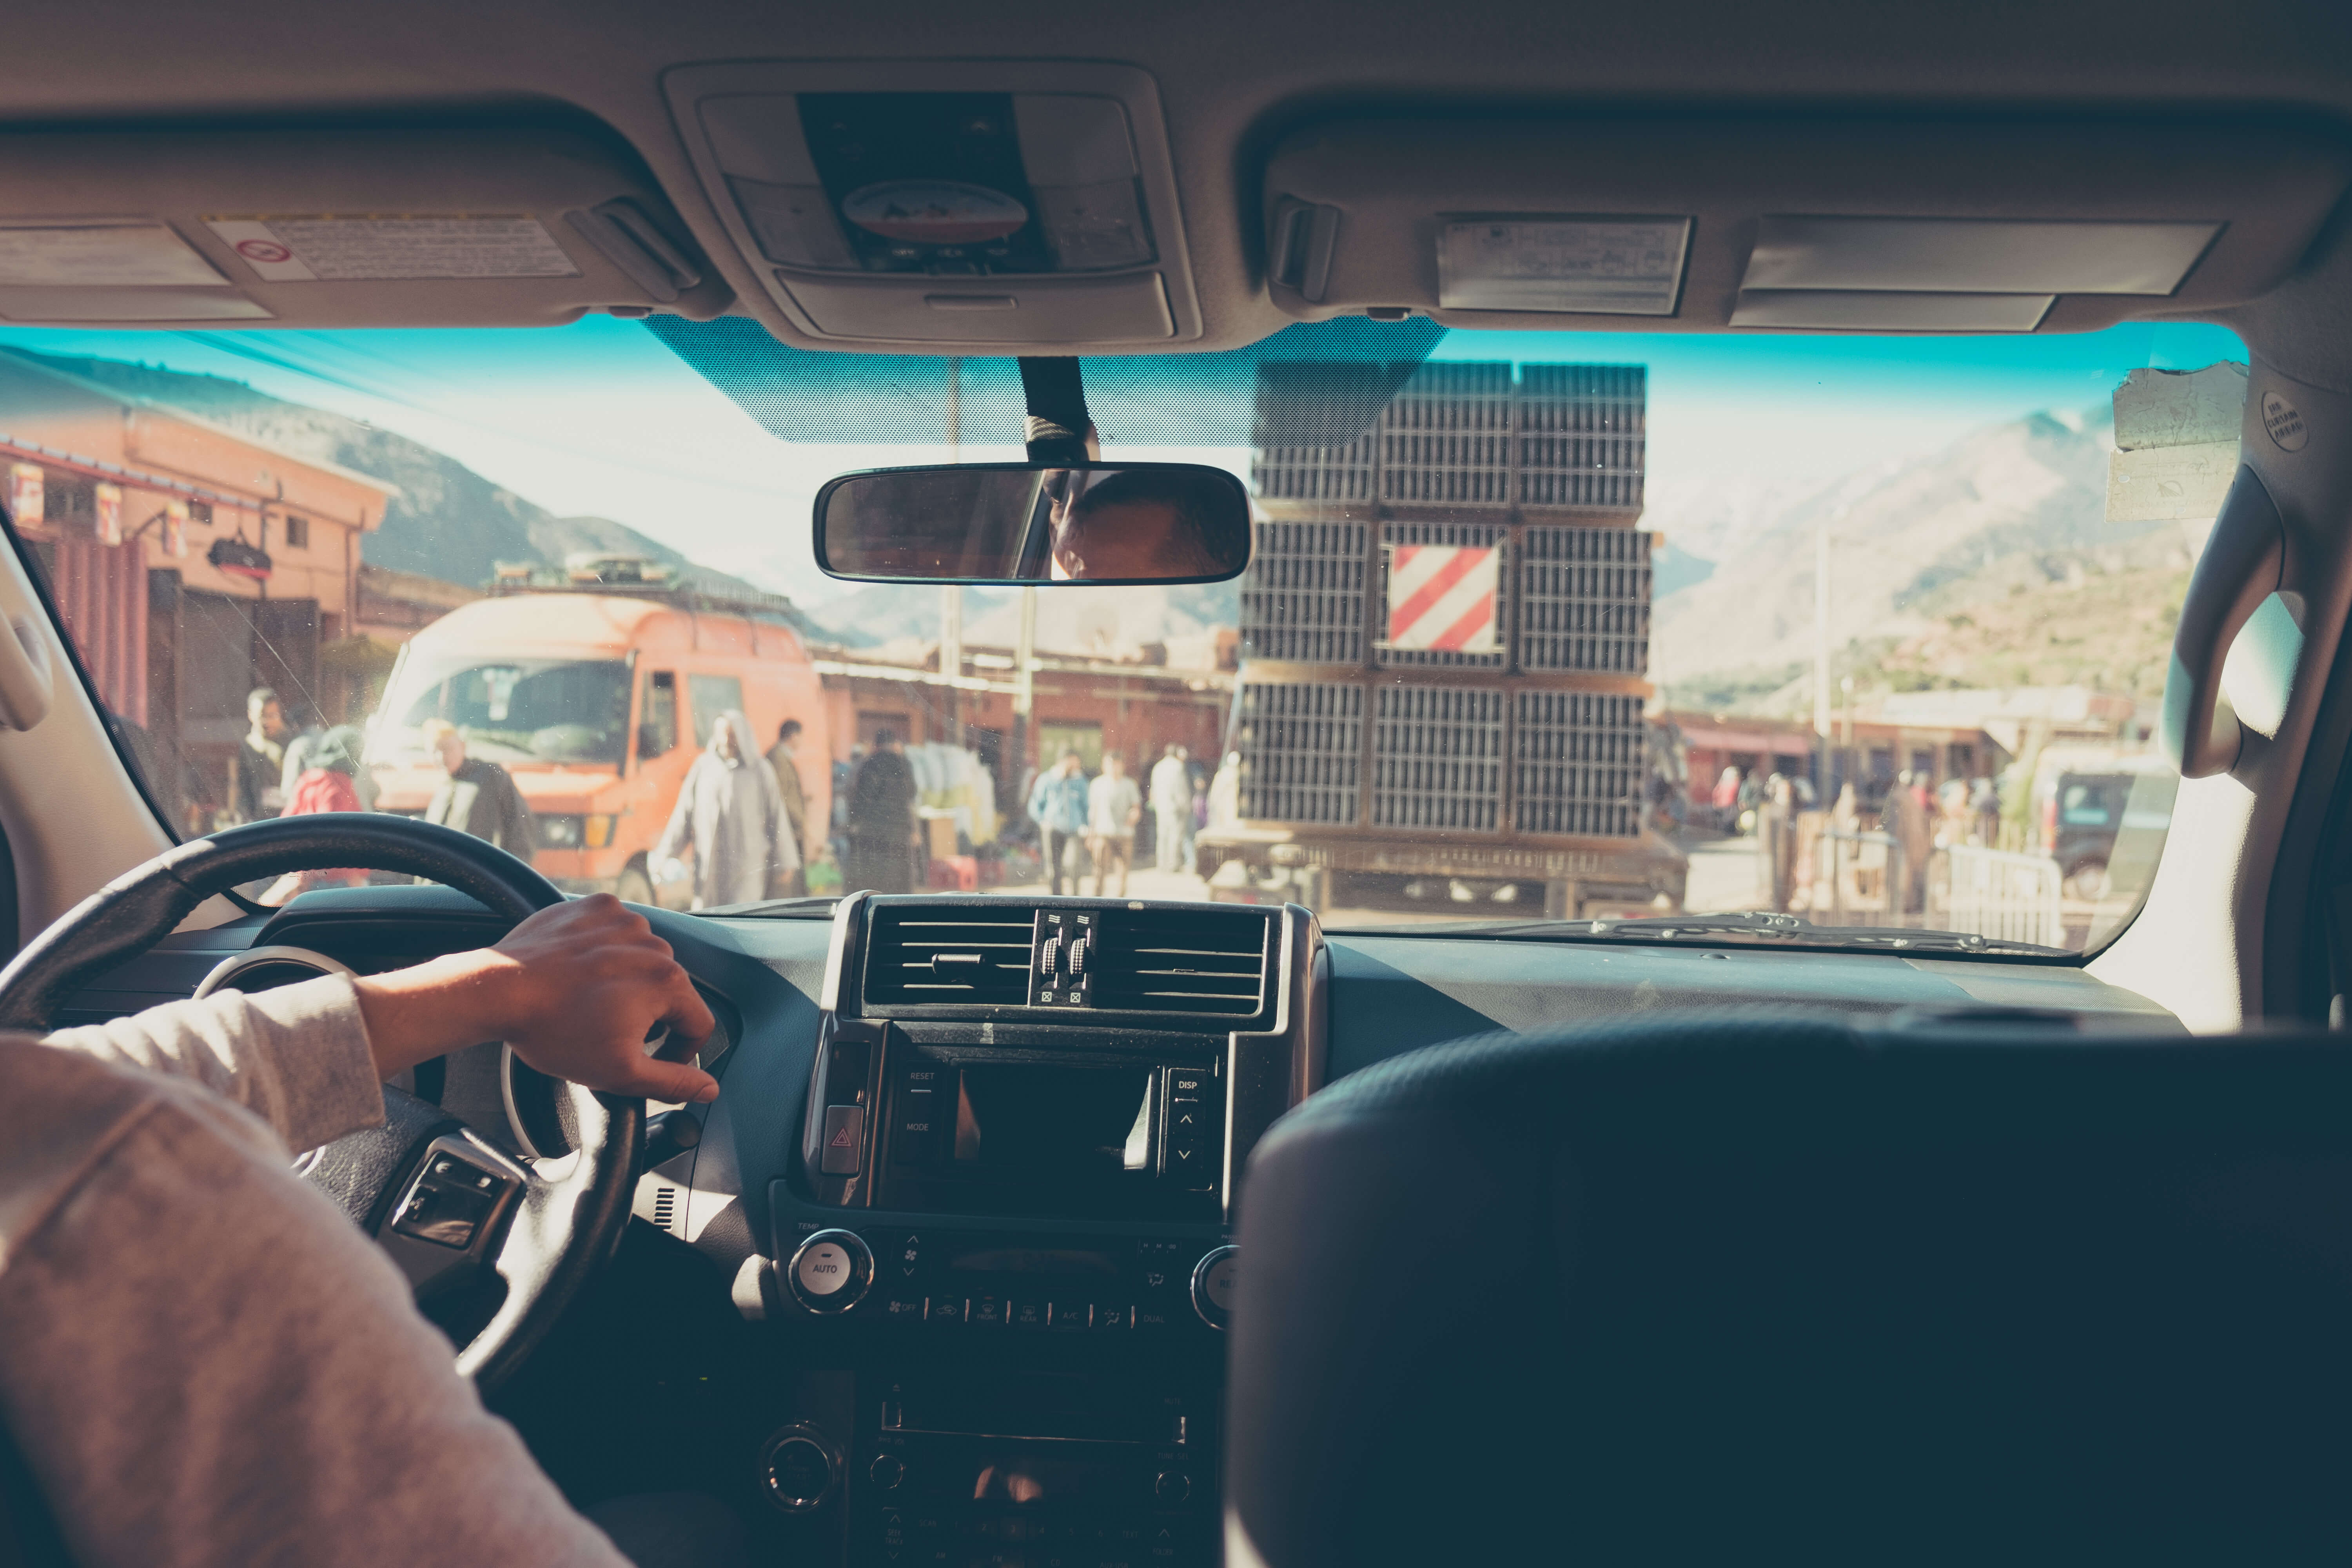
[881, 821]
[1057, 805]
[1726, 800]
[257, 773]
[1906, 823]
[477, 796]
[303, 729]
[1225, 793]
[1171, 812]
[788, 785]
[328, 783]
[1114, 806]
[730, 811]
[1776, 841]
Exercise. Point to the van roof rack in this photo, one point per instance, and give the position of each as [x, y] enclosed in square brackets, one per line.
[636, 577]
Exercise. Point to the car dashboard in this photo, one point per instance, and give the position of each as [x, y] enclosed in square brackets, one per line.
[972, 1177]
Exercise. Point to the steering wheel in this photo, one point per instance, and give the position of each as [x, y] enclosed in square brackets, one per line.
[453, 1208]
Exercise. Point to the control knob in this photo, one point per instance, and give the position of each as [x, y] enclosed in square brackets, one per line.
[798, 1469]
[830, 1271]
[1212, 1285]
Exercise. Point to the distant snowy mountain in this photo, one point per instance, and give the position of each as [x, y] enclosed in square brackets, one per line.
[1102, 623]
[1921, 556]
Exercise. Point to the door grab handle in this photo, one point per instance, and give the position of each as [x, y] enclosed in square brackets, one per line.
[2244, 563]
[24, 675]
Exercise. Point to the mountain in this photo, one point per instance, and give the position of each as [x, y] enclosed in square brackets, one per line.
[447, 521]
[1101, 623]
[1988, 563]
[885, 612]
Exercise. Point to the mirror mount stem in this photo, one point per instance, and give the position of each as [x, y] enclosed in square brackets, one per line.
[1057, 429]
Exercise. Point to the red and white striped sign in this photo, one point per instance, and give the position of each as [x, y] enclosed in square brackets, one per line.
[1443, 596]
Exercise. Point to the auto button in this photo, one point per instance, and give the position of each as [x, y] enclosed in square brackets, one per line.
[830, 1271]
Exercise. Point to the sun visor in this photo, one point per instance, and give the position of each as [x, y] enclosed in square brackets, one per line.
[988, 206]
[1851, 224]
[322, 226]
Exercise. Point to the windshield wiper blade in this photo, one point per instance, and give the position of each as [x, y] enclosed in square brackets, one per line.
[816, 906]
[1793, 928]
[1761, 924]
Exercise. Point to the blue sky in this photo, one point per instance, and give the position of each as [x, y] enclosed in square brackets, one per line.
[600, 417]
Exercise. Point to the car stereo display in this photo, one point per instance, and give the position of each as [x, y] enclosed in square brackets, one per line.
[1023, 1123]
[1053, 1137]
[1047, 1122]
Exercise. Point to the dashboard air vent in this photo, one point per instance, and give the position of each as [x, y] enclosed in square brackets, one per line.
[949, 954]
[1209, 963]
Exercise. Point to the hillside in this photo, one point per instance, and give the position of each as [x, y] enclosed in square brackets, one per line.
[1104, 623]
[1988, 564]
[447, 521]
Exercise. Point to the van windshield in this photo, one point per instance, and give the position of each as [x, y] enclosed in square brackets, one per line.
[509, 709]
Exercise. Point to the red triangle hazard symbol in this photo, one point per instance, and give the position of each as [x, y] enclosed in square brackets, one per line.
[842, 1140]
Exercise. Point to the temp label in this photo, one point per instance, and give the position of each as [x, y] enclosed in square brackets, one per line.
[391, 249]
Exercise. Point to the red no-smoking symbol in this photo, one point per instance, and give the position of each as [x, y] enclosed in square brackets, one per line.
[265, 251]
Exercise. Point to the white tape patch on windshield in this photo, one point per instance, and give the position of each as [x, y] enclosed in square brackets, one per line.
[392, 249]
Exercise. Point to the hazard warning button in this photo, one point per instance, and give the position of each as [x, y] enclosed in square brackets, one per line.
[845, 1140]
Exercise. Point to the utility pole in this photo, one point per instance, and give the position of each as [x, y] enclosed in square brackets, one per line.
[1822, 736]
[1023, 655]
[951, 594]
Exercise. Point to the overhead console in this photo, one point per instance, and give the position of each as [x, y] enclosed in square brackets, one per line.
[980, 205]
[1006, 1248]
[502, 224]
[1850, 224]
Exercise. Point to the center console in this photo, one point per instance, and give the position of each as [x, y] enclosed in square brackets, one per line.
[1005, 1247]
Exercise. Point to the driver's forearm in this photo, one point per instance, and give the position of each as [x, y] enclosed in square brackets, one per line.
[432, 1008]
[297, 1056]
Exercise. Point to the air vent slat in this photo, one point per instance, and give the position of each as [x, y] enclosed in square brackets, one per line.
[939, 957]
[1204, 963]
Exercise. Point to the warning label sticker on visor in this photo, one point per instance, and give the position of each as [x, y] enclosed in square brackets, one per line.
[388, 249]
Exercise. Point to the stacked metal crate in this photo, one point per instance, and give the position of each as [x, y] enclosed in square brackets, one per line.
[1533, 730]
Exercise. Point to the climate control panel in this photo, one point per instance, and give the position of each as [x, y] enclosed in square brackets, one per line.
[944, 1281]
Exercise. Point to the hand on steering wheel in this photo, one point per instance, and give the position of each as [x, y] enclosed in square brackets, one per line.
[575, 990]
[556, 1220]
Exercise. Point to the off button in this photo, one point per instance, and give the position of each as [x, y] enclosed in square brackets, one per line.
[831, 1272]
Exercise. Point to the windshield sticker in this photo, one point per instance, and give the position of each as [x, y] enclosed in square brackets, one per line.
[1443, 597]
[2285, 423]
[332, 250]
[100, 256]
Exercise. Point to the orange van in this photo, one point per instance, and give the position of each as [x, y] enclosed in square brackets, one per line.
[595, 703]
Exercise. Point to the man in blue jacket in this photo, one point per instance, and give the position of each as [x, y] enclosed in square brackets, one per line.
[1057, 805]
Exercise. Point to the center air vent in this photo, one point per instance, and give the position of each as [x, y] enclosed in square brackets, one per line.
[949, 954]
[1176, 961]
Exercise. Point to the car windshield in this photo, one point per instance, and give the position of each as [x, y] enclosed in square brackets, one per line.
[1775, 638]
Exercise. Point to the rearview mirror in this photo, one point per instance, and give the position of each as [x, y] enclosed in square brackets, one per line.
[1034, 523]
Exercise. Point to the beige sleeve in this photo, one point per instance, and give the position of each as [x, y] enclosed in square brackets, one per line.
[208, 1366]
[297, 1056]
